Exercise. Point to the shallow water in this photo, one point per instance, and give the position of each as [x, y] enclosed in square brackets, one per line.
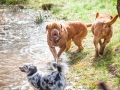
[21, 41]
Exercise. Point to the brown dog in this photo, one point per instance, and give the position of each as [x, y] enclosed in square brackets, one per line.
[61, 35]
[102, 29]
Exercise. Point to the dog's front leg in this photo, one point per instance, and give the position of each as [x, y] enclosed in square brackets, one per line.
[53, 50]
[68, 45]
[61, 50]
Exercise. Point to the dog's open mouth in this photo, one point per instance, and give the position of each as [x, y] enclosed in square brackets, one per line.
[55, 36]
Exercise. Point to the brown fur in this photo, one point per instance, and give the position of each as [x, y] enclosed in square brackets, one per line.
[102, 29]
[103, 86]
[61, 35]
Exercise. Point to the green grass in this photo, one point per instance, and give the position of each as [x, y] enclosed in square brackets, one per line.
[81, 9]
[13, 2]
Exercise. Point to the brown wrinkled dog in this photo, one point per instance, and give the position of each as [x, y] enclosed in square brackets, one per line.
[102, 29]
[61, 35]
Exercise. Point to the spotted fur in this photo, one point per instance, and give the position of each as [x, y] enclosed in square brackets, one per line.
[53, 81]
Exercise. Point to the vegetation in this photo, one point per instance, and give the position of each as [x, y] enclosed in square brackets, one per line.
[39, 18]
[81, 9]
[13, 2]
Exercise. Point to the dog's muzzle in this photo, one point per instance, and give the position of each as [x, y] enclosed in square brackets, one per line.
[22, 69]
[55, 35]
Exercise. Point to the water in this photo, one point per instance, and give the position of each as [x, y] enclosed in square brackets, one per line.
[21, 41]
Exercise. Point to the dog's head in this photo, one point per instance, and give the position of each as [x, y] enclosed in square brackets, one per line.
[109, 20]
[28, 68]
[54, 31]
[98, 15]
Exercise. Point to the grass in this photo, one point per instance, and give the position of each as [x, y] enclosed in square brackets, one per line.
[81, 9]
[13, 2]
[39, 18]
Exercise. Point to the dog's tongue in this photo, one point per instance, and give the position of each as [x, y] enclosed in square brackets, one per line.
[55, 36]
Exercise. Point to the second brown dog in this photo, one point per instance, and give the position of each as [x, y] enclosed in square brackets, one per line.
[61, 35]
[102, 29]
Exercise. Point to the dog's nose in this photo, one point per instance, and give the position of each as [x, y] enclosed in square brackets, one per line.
[20, 68]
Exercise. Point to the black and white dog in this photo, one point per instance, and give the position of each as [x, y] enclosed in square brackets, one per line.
[53, 81]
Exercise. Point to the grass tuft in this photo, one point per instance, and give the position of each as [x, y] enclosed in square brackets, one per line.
[40, 18]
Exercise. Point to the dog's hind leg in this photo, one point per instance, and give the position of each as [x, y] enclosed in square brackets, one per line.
[96, 41]
[79, 44]
[103, 46]
[78, 40]
[100, 42]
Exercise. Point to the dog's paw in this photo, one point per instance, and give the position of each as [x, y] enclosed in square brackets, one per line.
[101, 53]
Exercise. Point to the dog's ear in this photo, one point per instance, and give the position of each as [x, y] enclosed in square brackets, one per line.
[112, 20]
[47, 26]
[97, 14]
[61, 26]
[111, 17]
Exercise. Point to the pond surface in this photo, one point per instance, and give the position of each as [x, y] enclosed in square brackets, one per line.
[21, 41]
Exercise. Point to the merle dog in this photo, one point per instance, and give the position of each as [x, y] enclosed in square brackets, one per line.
[53, 81]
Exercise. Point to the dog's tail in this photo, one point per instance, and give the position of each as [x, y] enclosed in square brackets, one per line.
[112, 20]
[103, 86]
[89, 25]
[60, 67]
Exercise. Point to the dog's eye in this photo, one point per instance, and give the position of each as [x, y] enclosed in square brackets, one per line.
[25, 66]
